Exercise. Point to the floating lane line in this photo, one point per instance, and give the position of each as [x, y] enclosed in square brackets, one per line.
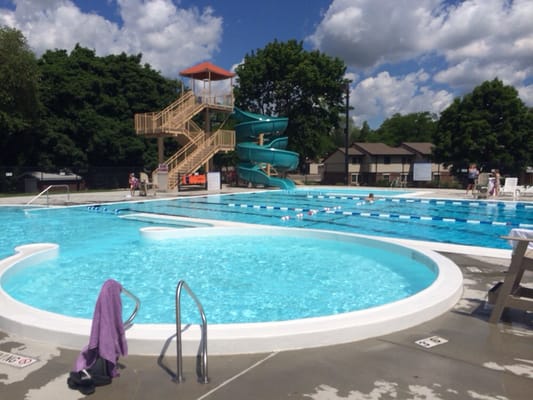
[428, 201]
[379, 215]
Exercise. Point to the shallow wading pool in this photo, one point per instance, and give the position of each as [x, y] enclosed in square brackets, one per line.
[327, 303]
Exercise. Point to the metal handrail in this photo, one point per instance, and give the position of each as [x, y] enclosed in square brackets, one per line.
[129, 322]
[46, 191]
[179, 374]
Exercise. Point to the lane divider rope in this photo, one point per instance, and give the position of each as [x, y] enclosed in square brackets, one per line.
[338, 211]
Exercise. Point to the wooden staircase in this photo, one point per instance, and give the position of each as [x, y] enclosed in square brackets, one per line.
[198, 147]
[174, 120]
[198, 152]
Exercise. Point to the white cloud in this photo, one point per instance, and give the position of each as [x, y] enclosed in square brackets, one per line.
[366, 33]
[455, 45]
[474, 41]
[384, 95]
[526, 94]
[169, 38]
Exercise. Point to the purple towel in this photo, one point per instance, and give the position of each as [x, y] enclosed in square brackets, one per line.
[108, 339]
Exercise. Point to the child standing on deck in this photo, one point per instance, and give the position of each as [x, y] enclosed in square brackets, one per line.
[473, 173]
[134, 184]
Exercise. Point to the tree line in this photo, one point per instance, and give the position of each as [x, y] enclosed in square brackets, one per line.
[75, 110]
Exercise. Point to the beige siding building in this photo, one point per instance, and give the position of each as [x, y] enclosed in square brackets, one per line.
[381, 164]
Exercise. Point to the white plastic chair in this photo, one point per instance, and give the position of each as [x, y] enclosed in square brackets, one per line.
[510, 187]
[528, 191]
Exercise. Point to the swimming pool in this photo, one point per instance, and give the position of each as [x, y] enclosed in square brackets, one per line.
[241, 275]
[79, 230]
[237, 338]
[393, 214]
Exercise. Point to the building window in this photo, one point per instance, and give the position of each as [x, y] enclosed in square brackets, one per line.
[355, 179]
[386, 160]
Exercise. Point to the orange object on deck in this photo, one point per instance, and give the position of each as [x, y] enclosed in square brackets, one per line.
[193, 179]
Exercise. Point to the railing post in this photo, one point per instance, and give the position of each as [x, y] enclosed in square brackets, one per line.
[203, 378]
[45, 191]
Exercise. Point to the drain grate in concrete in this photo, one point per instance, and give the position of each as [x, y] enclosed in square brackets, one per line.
[16, 360]
[431, 341]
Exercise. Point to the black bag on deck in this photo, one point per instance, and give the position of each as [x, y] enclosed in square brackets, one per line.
[86, 380]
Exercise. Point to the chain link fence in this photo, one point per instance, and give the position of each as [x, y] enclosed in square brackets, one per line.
[14, 179]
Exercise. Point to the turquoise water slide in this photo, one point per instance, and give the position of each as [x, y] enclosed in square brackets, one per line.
[254, 157]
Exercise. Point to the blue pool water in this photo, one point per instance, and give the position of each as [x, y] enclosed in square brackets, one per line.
[472, 223]
[239, 276]
[97, 244]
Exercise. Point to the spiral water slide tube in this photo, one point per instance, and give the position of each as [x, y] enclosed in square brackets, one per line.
[254, 157]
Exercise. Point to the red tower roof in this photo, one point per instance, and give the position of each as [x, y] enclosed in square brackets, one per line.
[207, 70]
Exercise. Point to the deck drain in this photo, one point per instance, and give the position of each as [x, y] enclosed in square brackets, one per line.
[431, 341]
[15, 360]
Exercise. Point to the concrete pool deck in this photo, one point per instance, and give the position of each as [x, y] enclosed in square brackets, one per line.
[472, 359]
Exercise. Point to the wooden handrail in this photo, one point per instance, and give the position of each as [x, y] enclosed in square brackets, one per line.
[191, 157]
[176, 114]
[174, 118]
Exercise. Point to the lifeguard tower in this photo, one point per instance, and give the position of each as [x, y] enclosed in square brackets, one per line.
[207, 94]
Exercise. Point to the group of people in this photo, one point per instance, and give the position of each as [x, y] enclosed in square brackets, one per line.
[472, 178]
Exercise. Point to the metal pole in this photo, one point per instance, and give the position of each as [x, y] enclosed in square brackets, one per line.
[346, 157]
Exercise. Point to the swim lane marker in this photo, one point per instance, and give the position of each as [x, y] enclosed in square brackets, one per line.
[338, 211]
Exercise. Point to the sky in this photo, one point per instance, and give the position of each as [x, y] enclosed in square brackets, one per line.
[402, 56]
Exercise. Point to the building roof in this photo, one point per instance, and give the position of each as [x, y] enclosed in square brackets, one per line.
[352, 151]
[381, 149]
[424, 148]
[207, 70]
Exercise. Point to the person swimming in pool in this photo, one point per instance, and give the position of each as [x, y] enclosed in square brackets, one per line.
[370, 198]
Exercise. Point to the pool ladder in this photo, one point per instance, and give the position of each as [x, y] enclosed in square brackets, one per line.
[129, 322]
[202, 371]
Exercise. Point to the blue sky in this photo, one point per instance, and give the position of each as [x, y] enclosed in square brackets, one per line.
[403, 56]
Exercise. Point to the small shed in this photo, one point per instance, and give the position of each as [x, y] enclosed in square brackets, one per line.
[37, 181]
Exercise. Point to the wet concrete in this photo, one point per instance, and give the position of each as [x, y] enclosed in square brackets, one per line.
[476, 360]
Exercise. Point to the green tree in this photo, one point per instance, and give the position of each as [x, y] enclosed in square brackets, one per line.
[365, 132]
[415, 127]
[355, 134]
[90, 102]
[19, 103]
[490, 126]
[283, 79]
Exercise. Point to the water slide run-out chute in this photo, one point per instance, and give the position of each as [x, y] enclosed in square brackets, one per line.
[254, 157]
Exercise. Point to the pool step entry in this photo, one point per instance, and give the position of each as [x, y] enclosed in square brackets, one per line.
[202, 358]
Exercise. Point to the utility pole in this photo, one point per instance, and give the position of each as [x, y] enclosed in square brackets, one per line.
[346, 134]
